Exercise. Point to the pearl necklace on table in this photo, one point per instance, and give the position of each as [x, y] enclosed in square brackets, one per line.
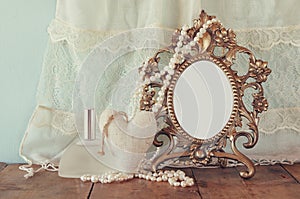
[174, 178]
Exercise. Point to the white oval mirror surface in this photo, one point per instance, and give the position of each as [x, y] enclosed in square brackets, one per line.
[203, 99]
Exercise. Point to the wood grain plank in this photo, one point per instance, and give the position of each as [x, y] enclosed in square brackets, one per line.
[142, 189]
[42, 185]
[272, 174]
[271, 182]
[268, 182]
[220, 183]
[2, 165]
[294, 170]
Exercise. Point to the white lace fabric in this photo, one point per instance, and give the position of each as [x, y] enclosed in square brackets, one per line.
[53, 121]
[267, 38]
[81, 40]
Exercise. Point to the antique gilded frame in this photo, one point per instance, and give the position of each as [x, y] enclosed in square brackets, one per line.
[218, 45]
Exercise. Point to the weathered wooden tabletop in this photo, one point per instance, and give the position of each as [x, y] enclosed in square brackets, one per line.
[278, 181]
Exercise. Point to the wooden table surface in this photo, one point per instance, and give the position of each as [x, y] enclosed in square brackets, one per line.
[278, 181]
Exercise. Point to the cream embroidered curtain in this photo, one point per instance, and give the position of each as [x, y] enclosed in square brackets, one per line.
[271, 28]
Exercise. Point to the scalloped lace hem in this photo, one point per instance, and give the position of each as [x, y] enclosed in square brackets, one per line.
[80, 39]
[264, 162]
[262, 38]
[278, 119]
[267, 38]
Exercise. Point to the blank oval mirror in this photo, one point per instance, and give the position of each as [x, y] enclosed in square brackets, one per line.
[203, 99]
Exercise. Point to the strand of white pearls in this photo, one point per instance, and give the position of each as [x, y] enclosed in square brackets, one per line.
[177, 58]
[107, 177]
[174, 178]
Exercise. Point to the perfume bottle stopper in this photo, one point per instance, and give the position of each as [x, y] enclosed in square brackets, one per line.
[89, 124]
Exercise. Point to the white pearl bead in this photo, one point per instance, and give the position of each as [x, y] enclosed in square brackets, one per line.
[170, 175]
[181, 177]
[202, 30]
[177, 57]
[171, 181]
[181, 172]
[159, 179]
[179, 43]
[168, 77]
[188, 48]
[183, 184]
[160, 93]
[192, 43]
[185, 27]
[180, 38]
[172, 60]
[142, 73]
[170, 71]
[159, 100]
[190, 183]
[214, 20]
[164, 177]
[176, 184]
[208, 22]
[83, 178]
[94, 178]
[183, 32]
[152, 78]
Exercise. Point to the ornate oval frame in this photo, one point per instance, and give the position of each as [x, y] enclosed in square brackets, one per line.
[170, 95]
[208, 40]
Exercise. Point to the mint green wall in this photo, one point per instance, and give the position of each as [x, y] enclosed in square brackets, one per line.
[23, 40]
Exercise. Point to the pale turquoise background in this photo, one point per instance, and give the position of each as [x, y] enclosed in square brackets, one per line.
[23, 40]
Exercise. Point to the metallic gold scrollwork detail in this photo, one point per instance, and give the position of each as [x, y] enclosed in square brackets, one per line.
[147, 100]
